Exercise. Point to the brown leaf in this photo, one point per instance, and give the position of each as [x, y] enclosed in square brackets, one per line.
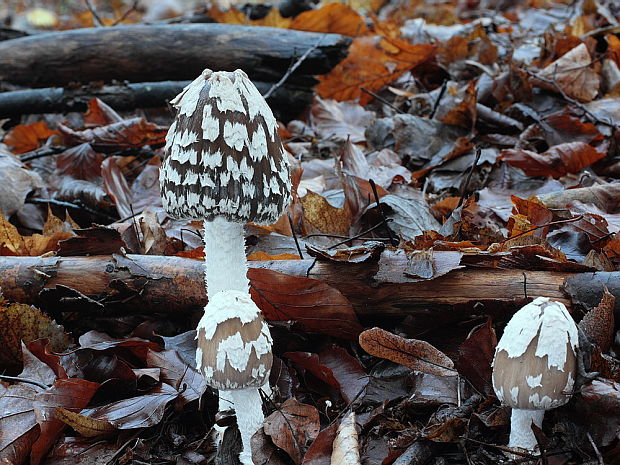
[559, 160]
[26, 137]
[16, 182]
[598, 324]
[98, 240]
[127, 134]
[80, 162]
[346, 448]
[335, 367]
[428, 264]
[572, 73]
[335, 18]
[20, 322]
[324, 217]
[340, 120]
[96, 340]
[413, 353]
[292, 426]
[235, 16]
[116, 186]
[262, 256]
[316, 306]
[100, 113]
[372, 63]
[367, 252]
[476, 355]
[320, 451]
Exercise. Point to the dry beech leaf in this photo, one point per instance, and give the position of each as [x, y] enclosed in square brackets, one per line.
[368, 251]
[100, 113]
[80, 162]
[346, 448]
[86, 426]
[335, 18]
[572, 73]
[16, 182]
[26, 137]
[263, 256]
[316, 306]
[20, 322]
[598, 323]
[372, 63]
[559, 160]
[292, 426]
[324, 217]
[340, 120]
[320, 451]
[235, 16]
[476, 355]
[413, 353]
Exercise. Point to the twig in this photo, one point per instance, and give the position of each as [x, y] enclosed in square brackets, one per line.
[292, 68]
[25, 380]
[96, 19]
[41, 153]
[439, 97]
[348, 238]
[290, 222]
[382, 100]
[550, 223]
[525, 284]
[133, 7]
[385, 220]
[352, 238]
[469, 175]
[75, 206]
[599, 457]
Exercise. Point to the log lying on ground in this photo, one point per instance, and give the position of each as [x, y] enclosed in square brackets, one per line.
[286, 101]
[142, 53]
[147, 283]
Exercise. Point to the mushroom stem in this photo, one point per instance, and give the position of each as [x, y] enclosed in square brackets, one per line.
[521, 434]
[249, 418]
[226, 266]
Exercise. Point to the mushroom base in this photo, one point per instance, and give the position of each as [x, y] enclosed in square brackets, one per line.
[249, 411]
[521, 434]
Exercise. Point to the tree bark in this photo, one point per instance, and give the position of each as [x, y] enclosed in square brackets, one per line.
[285, 101]
[146, 283]
[142, 53]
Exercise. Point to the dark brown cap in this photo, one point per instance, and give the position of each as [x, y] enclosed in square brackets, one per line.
[224, 156]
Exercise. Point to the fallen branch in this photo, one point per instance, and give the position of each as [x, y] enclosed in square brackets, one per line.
[141, 53]
[285, 101]
[146, 283]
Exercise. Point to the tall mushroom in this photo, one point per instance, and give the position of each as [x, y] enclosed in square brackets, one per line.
[535, 365]
[225, 163]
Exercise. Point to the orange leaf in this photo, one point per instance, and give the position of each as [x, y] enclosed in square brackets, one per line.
[235, 16]
[559, 160]
[262, 256]
[26, 137]
[413, 353]
[372, 63]
[335, 18]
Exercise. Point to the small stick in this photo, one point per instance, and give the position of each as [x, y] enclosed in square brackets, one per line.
[133, 7]
[290, 222]
[382, 100]
[25, 380]
[75, 206]
[96, 19]
[439, 97]
[378, 225]
[292, 69]
[469, 175]
[385, 220]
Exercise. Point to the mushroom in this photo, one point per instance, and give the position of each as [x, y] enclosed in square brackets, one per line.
[534, 366]
[225, 164]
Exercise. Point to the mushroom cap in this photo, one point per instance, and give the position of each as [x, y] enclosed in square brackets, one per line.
[234, 343]
[224, 156]
[535, 359]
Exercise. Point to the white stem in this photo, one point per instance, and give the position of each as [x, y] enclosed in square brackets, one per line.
[521, 434]
[226, 267]
[249, 412]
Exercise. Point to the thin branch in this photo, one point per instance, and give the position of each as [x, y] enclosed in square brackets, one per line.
[290, 222]
[382, 100]
[25, 380]
[132, 8]
[292, 68]
[96, 19]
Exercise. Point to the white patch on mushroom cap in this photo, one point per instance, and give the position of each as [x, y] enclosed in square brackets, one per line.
[187, 100]
[534, 381]
[225, 93]
[557, 328]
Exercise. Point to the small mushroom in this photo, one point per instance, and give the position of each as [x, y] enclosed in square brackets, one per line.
[534, 366]
[225, 164]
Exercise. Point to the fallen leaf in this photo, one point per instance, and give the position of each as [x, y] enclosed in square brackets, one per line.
[334, 18]
[476, 355]
[426, 264]
[99, 113]
[320, 451]
[598, 323]
[16, 183]
[413, 353]
[559, 160]
[26, 137]
[80, 162]
[316, 306]
[572, 73]
[324, 217]
[340, 120]
[346, 448]
[262, 256]
[292, 426]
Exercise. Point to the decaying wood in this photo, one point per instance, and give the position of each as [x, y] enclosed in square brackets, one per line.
[146, 283]
[141, 53]
[285, 101]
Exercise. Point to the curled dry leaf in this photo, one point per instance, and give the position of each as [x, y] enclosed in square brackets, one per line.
[598, 323]
[346, 449]
[413, 353]
[292, 426]
[16, 182]
[86, 426]
[320, 215]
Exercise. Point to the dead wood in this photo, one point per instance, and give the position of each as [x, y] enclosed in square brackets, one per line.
[285, 101]
[146, 283]
[141, 53]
